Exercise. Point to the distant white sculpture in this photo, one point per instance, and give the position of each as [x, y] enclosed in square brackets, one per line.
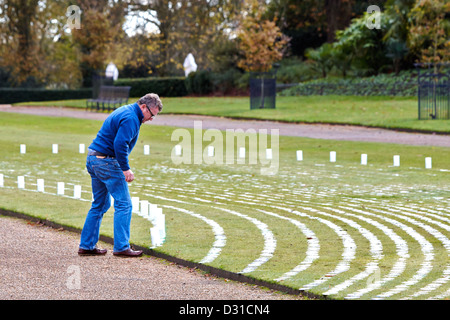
[189, 64]
[112, 71]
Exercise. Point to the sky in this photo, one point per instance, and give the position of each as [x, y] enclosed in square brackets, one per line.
[136, 23]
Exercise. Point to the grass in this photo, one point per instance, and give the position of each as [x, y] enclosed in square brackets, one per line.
[384, 112]
[236, 196]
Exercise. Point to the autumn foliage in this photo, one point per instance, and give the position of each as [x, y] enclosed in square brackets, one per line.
[260, 41]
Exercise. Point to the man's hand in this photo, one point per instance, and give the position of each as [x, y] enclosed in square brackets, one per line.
[129, 175]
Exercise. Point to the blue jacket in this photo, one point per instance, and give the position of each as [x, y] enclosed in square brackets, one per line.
[119, 134]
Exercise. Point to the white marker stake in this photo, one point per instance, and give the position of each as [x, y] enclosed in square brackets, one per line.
[135, 204]
[332, 156]
[178, 150]
[210, 151]
[396, 161]
[146, 150]
[60, 189]
[82, 148]
[154, 234]
[77, 192]
[161, 225]
[2, 182]
[40, 185]
[21, 182]
[428, 163]
[364, 159]
[268, 154]
[144, 209]
[299, 155]
[241, 152]
[23, 148]
[55, 148]
[153, 212]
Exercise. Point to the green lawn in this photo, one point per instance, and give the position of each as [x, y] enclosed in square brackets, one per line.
[385, 112]
[270, 222]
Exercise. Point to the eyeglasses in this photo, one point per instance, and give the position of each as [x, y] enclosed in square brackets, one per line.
[152, 115]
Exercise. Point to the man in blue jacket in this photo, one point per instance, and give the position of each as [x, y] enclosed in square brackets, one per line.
[107, 163]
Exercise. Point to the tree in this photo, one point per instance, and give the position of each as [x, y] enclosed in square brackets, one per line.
[199, 27]
[429, 31]
[310, 23]
[34, 50]
[396, 50]
[322, 58]
[101, 29]
[429, 38]
[361, 46]
[397, 12]
[260, 41]
[338, 15]
[20, 55]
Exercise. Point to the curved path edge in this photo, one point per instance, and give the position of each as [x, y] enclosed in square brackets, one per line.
[178, 261]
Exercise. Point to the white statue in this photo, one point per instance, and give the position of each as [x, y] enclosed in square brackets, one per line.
[112, 71]
[189, 64]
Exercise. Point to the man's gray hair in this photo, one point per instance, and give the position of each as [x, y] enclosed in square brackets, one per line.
[151, 99]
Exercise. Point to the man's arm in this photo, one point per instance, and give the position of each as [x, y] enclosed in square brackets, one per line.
[125, 134]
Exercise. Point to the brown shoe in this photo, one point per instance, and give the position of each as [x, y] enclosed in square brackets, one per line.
[93, 252]
[129, 253]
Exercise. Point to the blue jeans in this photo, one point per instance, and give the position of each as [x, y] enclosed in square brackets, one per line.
[107, 180]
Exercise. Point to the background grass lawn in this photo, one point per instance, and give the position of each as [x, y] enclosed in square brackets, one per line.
[261, 215]
[385, 112]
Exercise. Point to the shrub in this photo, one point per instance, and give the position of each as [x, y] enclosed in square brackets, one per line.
[165, 87]
[199, 82]
[13, 95]
[382, 85]
[294, 70]
[205, 82]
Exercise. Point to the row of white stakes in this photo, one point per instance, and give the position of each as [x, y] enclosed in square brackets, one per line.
[55, 148]
[299, 153]
[154, 214]
[81, 148]
[178, 150]
[396, 158]
[143, 208]
[41, 186]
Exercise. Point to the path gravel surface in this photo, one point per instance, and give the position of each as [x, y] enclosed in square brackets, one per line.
[39, 262]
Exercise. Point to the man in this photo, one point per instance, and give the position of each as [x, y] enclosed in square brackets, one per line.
[107, 163]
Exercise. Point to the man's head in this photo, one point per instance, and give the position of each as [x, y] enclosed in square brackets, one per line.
[150, 105]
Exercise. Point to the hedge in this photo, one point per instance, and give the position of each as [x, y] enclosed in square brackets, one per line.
[352, 89]
[197, 83]
[165, 87]
[224, 83]
[13, 95]
[405, 84]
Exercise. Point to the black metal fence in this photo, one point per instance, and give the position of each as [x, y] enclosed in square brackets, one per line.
[433, 91]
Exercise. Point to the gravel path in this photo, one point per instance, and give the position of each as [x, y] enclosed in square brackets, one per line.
[318, 131]
[38, 262]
